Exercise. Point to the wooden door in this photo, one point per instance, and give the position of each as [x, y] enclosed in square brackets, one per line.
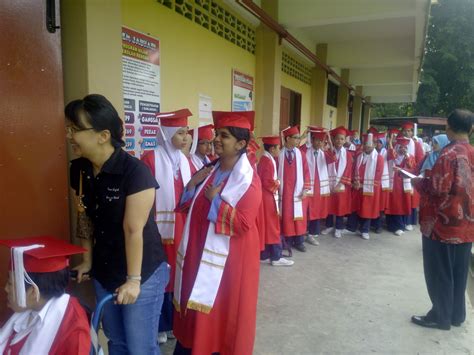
[33, 163]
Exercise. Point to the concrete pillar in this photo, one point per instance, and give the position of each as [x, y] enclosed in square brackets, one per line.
[366, 118]
[357, 110]
[92, 52]
[342, 101]
[268, 55]
[319, 87]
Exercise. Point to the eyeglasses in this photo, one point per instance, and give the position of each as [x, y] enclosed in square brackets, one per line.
[72, 130]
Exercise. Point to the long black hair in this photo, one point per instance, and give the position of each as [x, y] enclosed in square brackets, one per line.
[99, 113]
[241, 134]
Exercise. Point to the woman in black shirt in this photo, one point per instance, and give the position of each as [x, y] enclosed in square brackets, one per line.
[125, 252]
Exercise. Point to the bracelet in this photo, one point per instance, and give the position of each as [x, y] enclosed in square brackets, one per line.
[134, 278]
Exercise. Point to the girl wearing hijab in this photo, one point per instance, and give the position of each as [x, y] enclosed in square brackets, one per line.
[172, 171]
[439, 142]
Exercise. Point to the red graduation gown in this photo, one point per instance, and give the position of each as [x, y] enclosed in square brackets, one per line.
[72, 338]
[318, 206]
[229, 328]
[399, 201]
[265, 170]
[419, 157]
[289, 226]
[368, 206]
[341, 202]
[180, 218]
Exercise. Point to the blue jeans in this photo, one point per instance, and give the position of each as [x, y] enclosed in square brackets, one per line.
[133, 328]
[339, 221]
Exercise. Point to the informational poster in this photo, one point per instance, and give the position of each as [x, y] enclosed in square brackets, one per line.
[242, 91]
[141, 90]
[205, 109]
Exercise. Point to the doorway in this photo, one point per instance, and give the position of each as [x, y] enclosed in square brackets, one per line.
[290, 108]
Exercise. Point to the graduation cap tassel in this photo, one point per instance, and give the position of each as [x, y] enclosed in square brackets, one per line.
[19, 273]
[193, 148]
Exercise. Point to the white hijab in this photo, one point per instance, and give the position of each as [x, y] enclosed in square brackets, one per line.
[165, 134]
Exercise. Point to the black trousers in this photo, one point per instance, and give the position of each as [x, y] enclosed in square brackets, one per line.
[446, 269]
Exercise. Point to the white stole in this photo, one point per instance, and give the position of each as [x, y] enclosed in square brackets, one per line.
[275, 178]
[385, 175]
[407, 187]
[42, 332]
[335, 176]
[165, 195]
[297, 201]
[197, 161]
[321, 164]
[217, 246]
[370, 162]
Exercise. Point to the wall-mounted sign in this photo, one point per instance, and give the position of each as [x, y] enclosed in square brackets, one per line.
[242, 91]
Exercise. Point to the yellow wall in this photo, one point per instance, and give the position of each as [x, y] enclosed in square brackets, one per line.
[194, 60]
[305, 91]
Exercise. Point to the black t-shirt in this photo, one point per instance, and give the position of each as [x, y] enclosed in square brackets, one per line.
[104, 198]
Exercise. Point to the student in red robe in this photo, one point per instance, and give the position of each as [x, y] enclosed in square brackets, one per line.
[47, 320]
[172, 171]
[380, 146]
[366, 188]
[318, 156]
[268, 172]
[340, 182]
[415, 149]
[203, 149]
[293, 174]
[399, 197]
[218, 265]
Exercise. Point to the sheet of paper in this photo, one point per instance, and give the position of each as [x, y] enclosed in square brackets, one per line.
[410, 175]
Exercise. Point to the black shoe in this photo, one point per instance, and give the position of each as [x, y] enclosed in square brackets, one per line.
[423, 321]
[456, 324]
[300, 247]
[378, 231]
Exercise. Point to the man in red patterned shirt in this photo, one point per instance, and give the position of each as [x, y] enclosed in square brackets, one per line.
[447, 225]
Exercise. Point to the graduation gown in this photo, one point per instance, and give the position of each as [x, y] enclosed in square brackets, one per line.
[419, 157]
[399, 202]
[180, 217]
[318, 206]
[229, 327]
[365, 205]
[341, 202]
[289, 226]
[72, 338]
[271, 233]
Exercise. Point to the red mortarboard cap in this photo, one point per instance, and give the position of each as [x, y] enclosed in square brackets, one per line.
[174, 119]
[379, 135]
[372, 130]
[395, 131]
[408, 125]
[204, 132]
[239, 119]
[50, 258]
[339, 130]
[403, 140]
[351, 133]
[290, 131]
[318, 133]
[271, 140]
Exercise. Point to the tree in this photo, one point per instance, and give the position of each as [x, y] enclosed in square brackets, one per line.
[447, 80]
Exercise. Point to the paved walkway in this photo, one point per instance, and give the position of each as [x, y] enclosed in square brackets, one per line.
[350, 296]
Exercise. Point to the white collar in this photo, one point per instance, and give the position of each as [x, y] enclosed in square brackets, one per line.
[24, 325]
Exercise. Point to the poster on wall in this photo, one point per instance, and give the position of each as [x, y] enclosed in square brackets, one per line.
[141, 90]
[205, 110]
[242, 91]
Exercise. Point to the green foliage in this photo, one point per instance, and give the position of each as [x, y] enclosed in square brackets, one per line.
[392, 110]
[447, 80]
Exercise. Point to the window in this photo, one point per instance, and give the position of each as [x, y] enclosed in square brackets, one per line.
[332, 94]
